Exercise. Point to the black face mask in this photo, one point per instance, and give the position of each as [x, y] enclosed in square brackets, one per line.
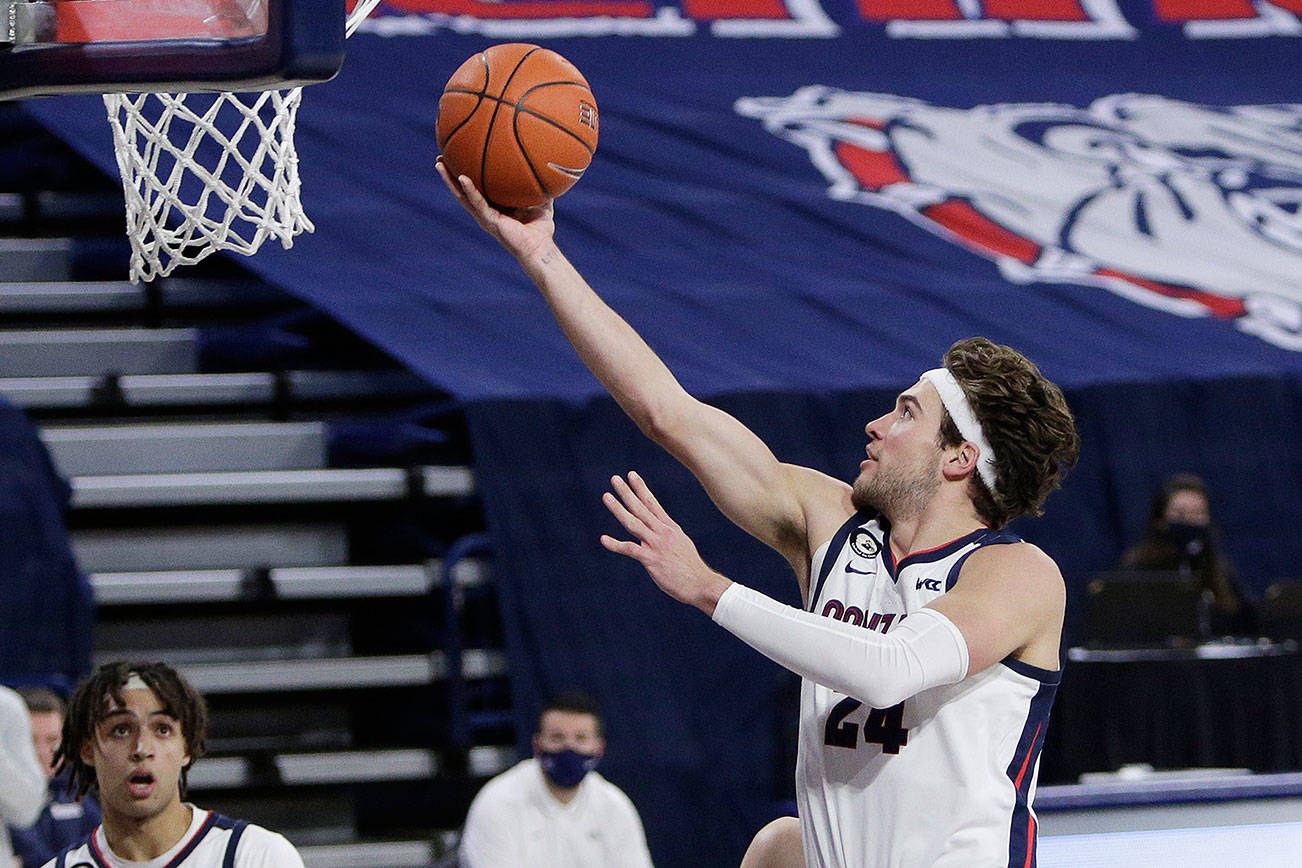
[1190, 539]
[566, 768]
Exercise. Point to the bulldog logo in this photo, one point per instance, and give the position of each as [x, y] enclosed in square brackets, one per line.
[1190, 209]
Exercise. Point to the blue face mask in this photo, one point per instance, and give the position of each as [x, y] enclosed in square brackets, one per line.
[566, 768]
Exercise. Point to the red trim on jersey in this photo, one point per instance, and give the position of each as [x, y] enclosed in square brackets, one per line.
[1027, 761]
[944, 545]
[1030, 842]
[94, 846]
[198, 835]
[181, 854]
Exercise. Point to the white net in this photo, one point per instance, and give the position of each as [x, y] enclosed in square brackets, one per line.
[203, 172]
[219, 173]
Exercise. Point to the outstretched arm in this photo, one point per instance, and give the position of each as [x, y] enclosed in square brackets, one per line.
[924, 650]
[1008, 603]
[772, 501]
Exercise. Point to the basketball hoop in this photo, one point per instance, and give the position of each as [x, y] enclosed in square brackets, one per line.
[203, 172]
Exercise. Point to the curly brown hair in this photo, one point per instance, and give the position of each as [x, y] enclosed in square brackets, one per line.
[102, 692]
[1026, 420]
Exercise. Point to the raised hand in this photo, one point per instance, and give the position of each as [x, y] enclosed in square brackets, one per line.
[663, 548]
[524, 232]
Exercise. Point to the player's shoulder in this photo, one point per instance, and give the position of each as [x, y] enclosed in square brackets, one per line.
[77, 854]
[1015, 562]
[1005, 547]
[260, 847]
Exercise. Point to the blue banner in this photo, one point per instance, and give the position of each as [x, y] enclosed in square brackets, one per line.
[1111, 186]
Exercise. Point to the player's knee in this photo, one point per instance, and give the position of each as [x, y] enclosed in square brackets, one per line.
[777, 845]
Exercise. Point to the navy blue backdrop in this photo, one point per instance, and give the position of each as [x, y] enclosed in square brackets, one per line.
[47, 610]
[801, 205]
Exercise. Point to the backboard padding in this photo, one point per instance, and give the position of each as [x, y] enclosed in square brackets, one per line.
[177, 46]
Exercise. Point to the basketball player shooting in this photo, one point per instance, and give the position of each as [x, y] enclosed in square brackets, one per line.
[929, 638]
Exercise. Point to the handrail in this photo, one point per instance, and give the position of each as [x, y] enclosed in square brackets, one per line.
[459, 730]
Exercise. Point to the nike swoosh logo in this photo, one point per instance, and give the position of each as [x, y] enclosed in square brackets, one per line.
[849, 568]
[565, 170]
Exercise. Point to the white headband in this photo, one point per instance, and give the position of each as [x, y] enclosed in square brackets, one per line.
[134, 682]
[956, 403]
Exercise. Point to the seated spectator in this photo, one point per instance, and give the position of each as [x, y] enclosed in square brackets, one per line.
[554, 810]
[1180, 537]
[65, 820]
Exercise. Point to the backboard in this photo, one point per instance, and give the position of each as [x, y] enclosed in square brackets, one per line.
[103, 46]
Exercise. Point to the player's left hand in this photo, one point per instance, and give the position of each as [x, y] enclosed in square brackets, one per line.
[522, 231]
[663, 548]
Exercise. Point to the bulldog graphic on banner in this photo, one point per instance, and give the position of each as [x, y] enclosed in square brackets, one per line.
[1190, 209]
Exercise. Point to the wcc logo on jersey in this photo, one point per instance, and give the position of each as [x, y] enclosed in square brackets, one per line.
[1191, 209]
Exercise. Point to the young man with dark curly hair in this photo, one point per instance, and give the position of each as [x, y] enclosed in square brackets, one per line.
[929, 638]
[132, 733]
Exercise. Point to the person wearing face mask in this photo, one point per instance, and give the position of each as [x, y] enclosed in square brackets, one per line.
[1180, 537]
[554, 810]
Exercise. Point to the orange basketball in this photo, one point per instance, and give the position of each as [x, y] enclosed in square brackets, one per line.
[520, 121]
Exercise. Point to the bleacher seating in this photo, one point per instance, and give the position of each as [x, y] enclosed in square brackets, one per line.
[326, 611]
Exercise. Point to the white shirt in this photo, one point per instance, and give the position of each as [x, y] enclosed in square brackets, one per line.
[515, 822]
[203, 845]
[22, 783]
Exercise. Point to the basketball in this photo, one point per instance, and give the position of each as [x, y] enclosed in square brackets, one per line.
[520, 121]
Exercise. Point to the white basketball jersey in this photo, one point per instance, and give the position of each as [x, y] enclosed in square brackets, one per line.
[212, 841]
[945, 778]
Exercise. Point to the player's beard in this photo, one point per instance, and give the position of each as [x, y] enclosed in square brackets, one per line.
[899, 493]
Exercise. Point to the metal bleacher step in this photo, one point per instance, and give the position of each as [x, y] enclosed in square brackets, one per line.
[333, 673]
[210, 547]
[63, 206]
[90, 352]
[268, 670]
[333, 767]
[156, 391]
[371, 854]
[343, 767]
[287, 583]
[28, 259]
[186, 448]
[90, 298]
[12, 208]
[269, 487]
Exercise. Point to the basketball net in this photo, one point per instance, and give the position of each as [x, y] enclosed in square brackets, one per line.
[203, 172]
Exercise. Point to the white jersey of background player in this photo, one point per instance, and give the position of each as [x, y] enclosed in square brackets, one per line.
[210, 841]
[969, 446]
[132, 733]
